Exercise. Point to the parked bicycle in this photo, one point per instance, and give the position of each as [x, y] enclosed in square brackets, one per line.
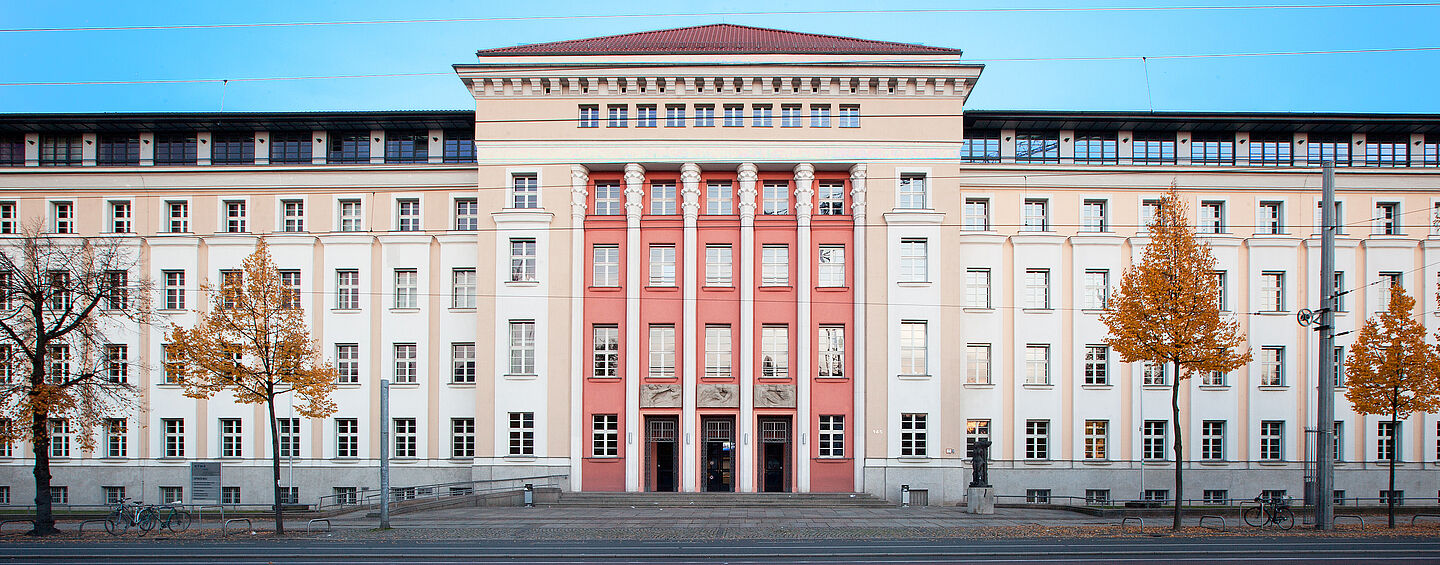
[1270, 511]
[173, 518]
[128, 514]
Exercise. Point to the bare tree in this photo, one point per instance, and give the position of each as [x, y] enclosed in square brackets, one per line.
[60, 296]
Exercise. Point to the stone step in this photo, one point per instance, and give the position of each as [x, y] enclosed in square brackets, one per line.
[719, 499]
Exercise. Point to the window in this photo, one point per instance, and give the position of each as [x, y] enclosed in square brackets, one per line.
[232, 440]
[61, 293]
[1155, 495]
[645, 115]
[981, 146]
[1398, 497]
[349, 147]
[607, 199]
[120, 217]
[117, 363]
[662, 351]
[1037, 289]
[235, 216]
[114, 495]
[605, 352]
[345, 495]
[832, 265]
[290, 148]
[1037, 147]
[8, 219]
[849, 115]
[522, 433]
[405, 440]
[605, 435]
[1037, 364]
[1097, 289]
[1037, 439]
[1152, 440]
[116, 292]
[1212, 217]
[174, 369]
[977, 288]
[522, 347]
[717, 199]
[1387, 443]
[1216, 497]
[522, 260]
[59, 437]
[734, 115]
[467, 214]
[831, 436]
[351, 218]
[232, 148]
[912, 435]
[913, 261]
[407, 147]
[64, 217]
[790, 115]
[831, 345]
[1334, 148]
[977, 364]
[819, 115]
[1097, 365]
[347, 437]
[347, 289]
[1212, 378]
[290, 281]
[113, 150]
[462, 362]
[760, 115]
[174, 431]
[775, 265]
[977, 214]
[1092, 216]
[407, 212]
[1212, 148]
[524, 191]
[1153, 374]
[1096, 434]
[232, 286]
[462, 437]
[1272, 436]
[407, 283]
[662, 265]
[1271, 218]
[774, 352]
[1337, 216]
[704, 115]
[57, 363]
[914, 357]
[1387, 218]
[462, 288]
[606, 266]
[775, 198]
[459, 146]
[1096, 148]
[289, 436]
[1037, 496]
[674, 115]
[12, 151]
[1270, 150]
[1153, 148]
[589, 116]
[1222, 291]
[1149, 209]
[975, 430]
[717, 352]
[60, 150]
[230, 495]
[1035, 216]
[116, 440]
[1338, 366]
[1388, 282]
[1272, 291]
[911, 194]
[175, 149]
[662, 198]
[832, 199]
[1212, 440]
[1272, 366]
[347, 363]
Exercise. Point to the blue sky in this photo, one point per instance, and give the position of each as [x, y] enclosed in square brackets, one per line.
[1365, 82]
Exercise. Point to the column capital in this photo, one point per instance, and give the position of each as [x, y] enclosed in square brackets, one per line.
[690, 190]
[858, 174]
[748, 175]
[579, 181]
[634, 190]
[804, 190]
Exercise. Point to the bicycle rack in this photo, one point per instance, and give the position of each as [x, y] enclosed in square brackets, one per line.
[1223, 525]
[200, 512]
[91, 521]
[1412, 518]
[317, 520]
[224, 527]
[1127, 519]
[24, 520]
[1358, 517]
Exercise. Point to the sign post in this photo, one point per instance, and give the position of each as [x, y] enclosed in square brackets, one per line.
[205, 482]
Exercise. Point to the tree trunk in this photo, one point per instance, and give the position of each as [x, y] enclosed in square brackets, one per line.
[275, 465]
[1175, 413]
[44, 511]
[1394, 450]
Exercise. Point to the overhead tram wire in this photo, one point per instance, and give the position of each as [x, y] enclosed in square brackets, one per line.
[920, 11]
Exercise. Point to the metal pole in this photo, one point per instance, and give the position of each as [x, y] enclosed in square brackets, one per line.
[1325, 412]
[384, 453]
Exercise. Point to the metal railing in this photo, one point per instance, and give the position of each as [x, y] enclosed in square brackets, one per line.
[372, 498]
[1119, 503]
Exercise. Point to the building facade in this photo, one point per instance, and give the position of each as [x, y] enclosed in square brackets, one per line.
[734, 259]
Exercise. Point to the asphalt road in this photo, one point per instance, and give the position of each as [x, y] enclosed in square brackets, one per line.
[1170, 551]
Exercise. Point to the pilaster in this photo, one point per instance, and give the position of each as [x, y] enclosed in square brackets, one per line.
[804, 205]
[747, 175]
[579, 181]
[857, 214]
[634, 439]
[689, 333]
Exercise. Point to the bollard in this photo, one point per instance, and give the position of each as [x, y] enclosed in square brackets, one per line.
[904, 495]
[529, 495]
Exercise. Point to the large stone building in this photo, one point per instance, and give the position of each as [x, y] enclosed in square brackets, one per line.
[725, 258]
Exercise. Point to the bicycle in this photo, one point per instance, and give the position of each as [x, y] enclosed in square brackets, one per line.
[1270, 511]
[172, 517]
[129, 513]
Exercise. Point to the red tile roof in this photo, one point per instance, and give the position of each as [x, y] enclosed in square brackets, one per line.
[718, 39]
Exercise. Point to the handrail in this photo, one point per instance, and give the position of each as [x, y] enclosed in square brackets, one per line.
[435, 490]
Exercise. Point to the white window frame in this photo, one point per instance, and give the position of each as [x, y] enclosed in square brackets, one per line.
[406, 362]
[407, 289]
[719, 356]
[1272, 291]
[467, 213]
[914, 348]
[662, 264]
[978, 364]
[121, 216]
[1272, 366]
[1094, 215]
[1154, 440]
[1097, 289]
[605, 265]
[347, 363]
[914, 432]
[912, 191]
[609, 197]
[407, 214]
[914, 261]
[830, 270]
[775, 265]
[1272, 440]
[976, 214]
[830, 346]
[1097, 365]
[1037, 289]
[774, 198]
[605, 351]
[1037, 364]
[347, 289]
[663, 199]
[524, 191]
[524, 261]
[462, 362]
[235, 213]
[774, 352]
[522, 347]
[1035, 215]
[1097, 436]
[830, 435]
[463, 281]
[349, 214]
[662, 351]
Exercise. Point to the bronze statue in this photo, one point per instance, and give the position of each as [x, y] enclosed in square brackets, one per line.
[980, 464]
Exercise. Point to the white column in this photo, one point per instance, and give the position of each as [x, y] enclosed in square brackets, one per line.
[857, 211]
[745, 454]
[634, 439]
[804, 204]
[579, 181]
[690, 207]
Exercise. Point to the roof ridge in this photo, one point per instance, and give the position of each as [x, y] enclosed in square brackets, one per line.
[717, 38]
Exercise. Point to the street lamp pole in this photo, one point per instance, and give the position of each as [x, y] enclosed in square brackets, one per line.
[385, 454]
[1325, 409]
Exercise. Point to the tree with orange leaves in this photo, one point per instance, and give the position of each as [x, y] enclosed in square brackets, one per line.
[255, 344]
[1392, 371]
[1167, 312]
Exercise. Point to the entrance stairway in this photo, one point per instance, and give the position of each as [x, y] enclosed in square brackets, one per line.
[719, 500]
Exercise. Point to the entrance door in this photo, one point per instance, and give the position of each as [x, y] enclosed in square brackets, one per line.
[661, 453]
[719, 434]
[774, 454]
